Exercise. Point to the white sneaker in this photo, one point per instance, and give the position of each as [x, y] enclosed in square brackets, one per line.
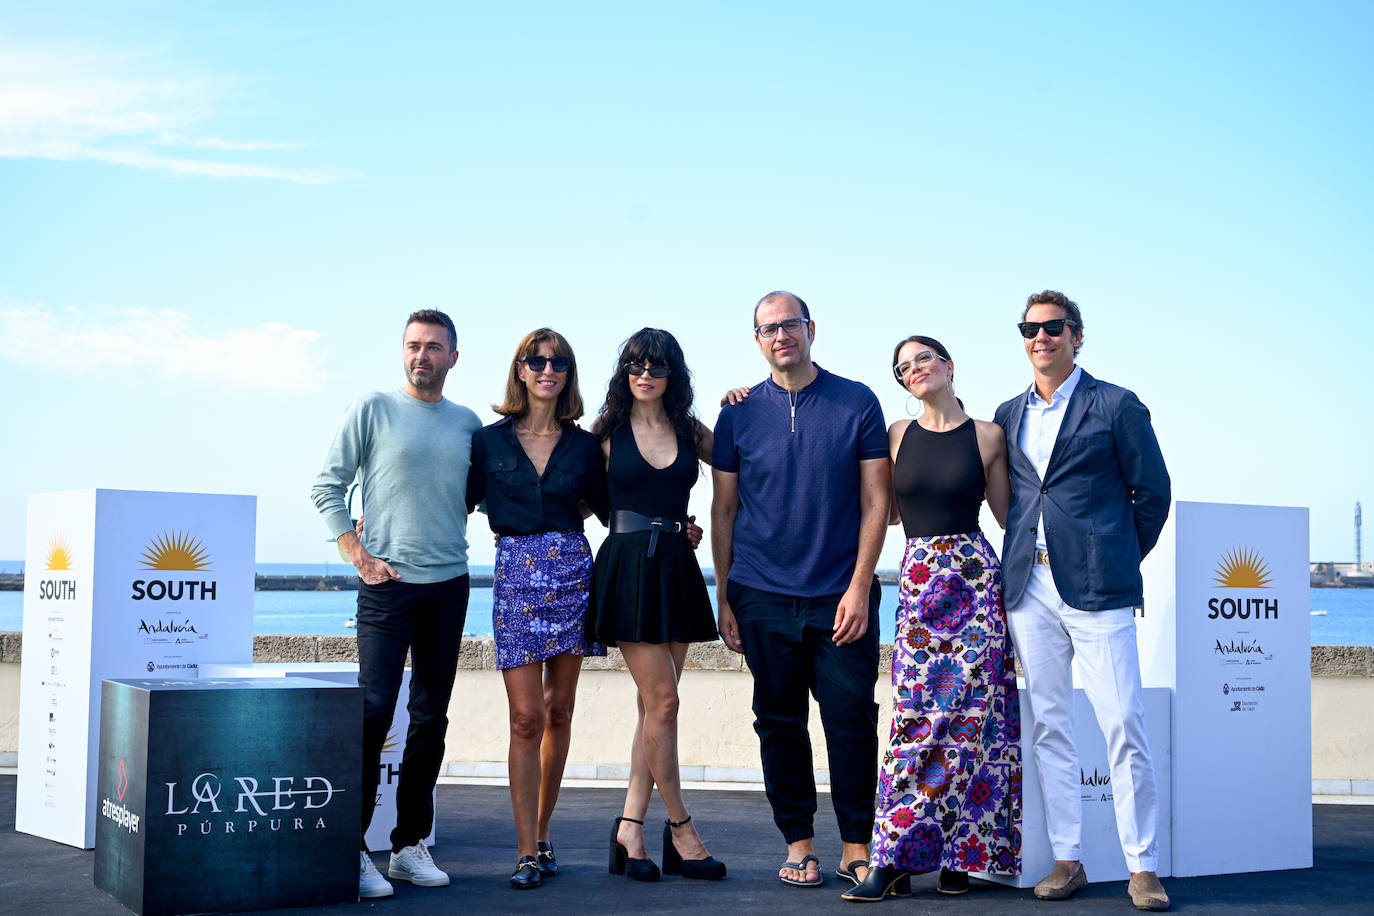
[370, 881]
[413, 864]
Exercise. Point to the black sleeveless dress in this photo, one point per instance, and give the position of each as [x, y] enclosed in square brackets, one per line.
[636, 597]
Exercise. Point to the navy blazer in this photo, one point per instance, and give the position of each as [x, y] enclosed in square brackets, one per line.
[1104, 498]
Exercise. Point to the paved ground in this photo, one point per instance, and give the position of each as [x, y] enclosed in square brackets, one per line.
[477, 847]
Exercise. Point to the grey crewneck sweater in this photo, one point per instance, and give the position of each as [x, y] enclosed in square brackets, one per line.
[411, 458]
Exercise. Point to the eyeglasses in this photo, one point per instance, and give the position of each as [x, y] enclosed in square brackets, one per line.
[537, 363]
[637, 370]
[1054, 327]
[791, 326]
[921, 361]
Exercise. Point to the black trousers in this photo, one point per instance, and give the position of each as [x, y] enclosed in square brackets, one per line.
[426, 620]
[787, 644]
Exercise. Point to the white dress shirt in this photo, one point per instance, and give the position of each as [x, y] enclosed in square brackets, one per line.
[1040, 429]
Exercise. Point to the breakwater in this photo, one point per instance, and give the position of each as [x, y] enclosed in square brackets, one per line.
[14, 582]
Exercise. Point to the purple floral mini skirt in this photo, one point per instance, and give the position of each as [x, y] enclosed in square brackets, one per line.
[539, 597]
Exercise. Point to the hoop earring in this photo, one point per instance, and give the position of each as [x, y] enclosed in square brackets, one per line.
[909, 412]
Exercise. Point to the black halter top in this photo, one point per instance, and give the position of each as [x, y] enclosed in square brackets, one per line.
[939, 480]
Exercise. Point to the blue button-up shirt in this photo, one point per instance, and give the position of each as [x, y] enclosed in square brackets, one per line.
[1040, 429]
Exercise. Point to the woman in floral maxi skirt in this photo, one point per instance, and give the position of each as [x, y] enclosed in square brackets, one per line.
[949, 793]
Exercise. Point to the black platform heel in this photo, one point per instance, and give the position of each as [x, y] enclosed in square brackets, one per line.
[880, 881]
[709, 868]
[622, 864]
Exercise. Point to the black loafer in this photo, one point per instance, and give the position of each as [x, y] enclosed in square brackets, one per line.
[547, 864]
[526, 876]
[952, 882]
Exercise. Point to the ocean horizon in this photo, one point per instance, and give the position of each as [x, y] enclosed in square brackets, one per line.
[1348, 621]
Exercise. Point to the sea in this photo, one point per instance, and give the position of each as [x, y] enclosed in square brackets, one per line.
[1348, 621]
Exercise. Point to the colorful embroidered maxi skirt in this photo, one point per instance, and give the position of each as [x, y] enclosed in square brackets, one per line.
[949, 794]
[539, 597]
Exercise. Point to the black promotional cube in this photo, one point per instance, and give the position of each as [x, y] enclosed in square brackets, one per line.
[228, 794]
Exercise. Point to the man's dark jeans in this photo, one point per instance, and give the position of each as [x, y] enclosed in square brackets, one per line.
[426, 620]
[787, 643]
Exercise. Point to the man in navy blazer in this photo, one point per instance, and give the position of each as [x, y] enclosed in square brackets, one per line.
[1090, 494]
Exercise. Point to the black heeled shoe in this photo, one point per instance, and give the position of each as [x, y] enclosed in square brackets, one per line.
[526, 875]
[709, 868]
[880, 881]
[952, 882]
[622, 864]
[547, 864]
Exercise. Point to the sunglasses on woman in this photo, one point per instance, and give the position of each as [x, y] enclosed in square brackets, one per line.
[537, 363]
[1054, 327]
[637, 370]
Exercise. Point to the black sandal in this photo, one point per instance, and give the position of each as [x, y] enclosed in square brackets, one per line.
[708, 868]
[801, 867]
[622, 864]
[848, 873]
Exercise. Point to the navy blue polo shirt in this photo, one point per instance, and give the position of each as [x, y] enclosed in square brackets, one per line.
[797, 531]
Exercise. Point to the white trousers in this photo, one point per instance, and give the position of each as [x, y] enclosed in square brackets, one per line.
[1048, 635]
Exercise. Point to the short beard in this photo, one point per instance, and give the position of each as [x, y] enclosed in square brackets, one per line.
[434, 382]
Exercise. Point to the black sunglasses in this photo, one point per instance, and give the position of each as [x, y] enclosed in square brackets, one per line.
[1054, 327]
[537, 363]
[637, 370]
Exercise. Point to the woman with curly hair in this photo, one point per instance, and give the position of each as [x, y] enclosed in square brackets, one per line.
[949, 794]
[648, 595]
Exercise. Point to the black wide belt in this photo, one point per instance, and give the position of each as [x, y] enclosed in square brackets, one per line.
[623, 521]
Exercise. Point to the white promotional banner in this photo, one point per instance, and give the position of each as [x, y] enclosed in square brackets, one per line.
[117, 584]
[1227, 621]
[1100, 842]
[378, 836]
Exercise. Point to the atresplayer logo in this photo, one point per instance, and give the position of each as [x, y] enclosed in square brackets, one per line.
[115, 810]
[1243, 568]
[57, 559]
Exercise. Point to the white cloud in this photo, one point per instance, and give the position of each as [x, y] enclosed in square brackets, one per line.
[72, 104]
[165, 342]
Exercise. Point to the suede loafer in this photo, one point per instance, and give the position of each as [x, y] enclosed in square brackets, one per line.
[1062, 882]
[1146, 891]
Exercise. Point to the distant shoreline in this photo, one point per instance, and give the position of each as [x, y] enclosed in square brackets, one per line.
[14, 582]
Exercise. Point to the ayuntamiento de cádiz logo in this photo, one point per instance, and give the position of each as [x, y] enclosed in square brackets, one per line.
[57, 559]
[1243, 568]
[175, 551]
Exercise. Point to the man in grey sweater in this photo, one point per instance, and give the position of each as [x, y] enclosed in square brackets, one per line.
[410, 451]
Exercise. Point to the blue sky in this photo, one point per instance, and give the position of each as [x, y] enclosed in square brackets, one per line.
[217, 215]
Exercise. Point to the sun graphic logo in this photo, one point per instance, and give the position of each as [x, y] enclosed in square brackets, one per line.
[59, 555]
[175, 550]
[1242, 568]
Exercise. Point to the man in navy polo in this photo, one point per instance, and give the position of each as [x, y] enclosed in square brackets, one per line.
[800, 510]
